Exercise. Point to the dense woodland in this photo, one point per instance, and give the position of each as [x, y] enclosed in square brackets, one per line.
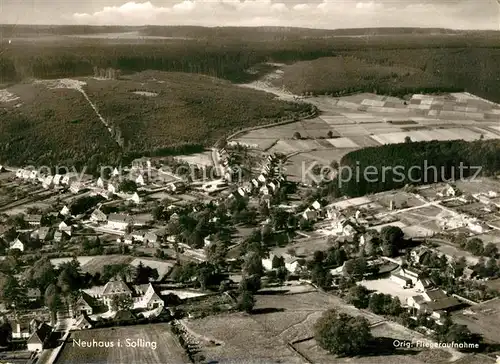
[445, 156]
[408, 60]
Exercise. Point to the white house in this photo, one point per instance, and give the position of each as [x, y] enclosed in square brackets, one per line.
[57, 180]
[434, 301]
[135, 198]
[47, 182]
[262, 178]
[19, 173]
[149, 298]
[112, 188]
[119, 221]
[17, 244]
[68, 178]
[98, 216]
[63, 227]
[264, 190]
[65, 211]
[115, 172]
[316, 205]
[100, 183]
[38, 339]
[140, 180]
[291, 263]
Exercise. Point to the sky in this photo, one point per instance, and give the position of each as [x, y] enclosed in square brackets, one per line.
[327, 14]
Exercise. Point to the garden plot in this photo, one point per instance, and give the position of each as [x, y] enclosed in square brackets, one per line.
[258, 143]
[364, 141]
[336, 120]
[353, 202]
[283, 146]
[351, 130]
[343, 143]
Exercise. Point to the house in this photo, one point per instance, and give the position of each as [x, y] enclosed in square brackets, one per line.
[241, 192]
[449, 191]
[176, 187]
[291, 262]
[82, 323]
[24, 331]
[48, 182]
[140, 180]
[115, 172]
[69, 178]
[124, 315]
[57, 180]
[44, 233]
[119, 221]
[98, 216]
[310, 215]
[65, 228]
[135, 198]
[65, 211]
[100, 183]
[33, 175]
[316, 205]
[264, 190]
[407, 277]
[344, 227]
[17, 244]
[26, 173]
[255, 183]
[418, 255]
[39, 338]
[126, 239]
[34, 220]
[60, 236]
[422, 284]
[113, 289]
[208, 240]
[272, 186]
[152, 239]
[434, 301]
[33, 294]
[262, 178]
[83, 306]
[149, 298]
[2, 168]
[112, 188]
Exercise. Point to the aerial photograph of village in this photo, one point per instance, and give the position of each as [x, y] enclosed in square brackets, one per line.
[250, 181]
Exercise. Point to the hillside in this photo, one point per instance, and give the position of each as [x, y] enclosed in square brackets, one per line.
[148, 113]
[398, 72]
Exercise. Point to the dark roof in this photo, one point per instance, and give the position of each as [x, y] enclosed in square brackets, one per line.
[436, 294]
[40, 335]
[124, 315]
[116, 287]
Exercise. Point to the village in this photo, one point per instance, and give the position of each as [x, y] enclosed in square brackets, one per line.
[150, 243]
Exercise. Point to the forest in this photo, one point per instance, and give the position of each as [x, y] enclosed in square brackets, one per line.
[396, 165]
[447, 59]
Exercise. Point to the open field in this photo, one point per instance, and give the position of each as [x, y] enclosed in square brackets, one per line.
[167, 351]
[483, 319]
[384, 353]
[289, 318]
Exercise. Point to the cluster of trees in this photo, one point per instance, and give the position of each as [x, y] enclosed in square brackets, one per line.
[379, 303]
[341, 334]
[477, 247]
[427, 162]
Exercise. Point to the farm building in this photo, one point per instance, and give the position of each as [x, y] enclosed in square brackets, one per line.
[434, 301]
[82, 323]
[38, 339]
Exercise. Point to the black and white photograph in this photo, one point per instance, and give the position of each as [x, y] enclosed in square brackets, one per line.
[250, 181]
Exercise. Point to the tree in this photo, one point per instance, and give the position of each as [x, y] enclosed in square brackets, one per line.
[278, 262]
[475, 246]
[407, 139]
[490, 250]
[216, 253]
[52, 298]
[356, 267]
[342, 334]
[127, 186]
[252, 265]
[358, 296]
[329, 134]
[121, 302]
[11, 292]
[245, 302]
[297, 135]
